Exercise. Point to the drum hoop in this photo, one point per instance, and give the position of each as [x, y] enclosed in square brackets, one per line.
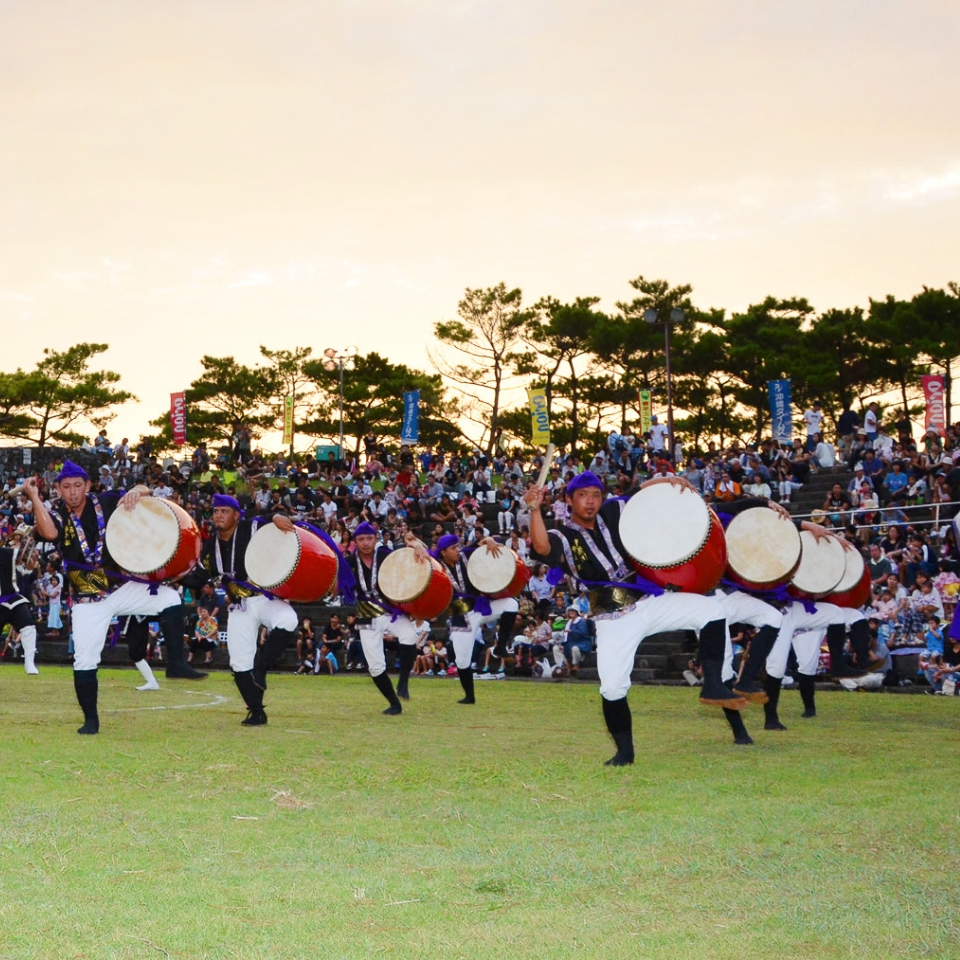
[293, 568]
[678, 563]
[160, 566]
[426, 586]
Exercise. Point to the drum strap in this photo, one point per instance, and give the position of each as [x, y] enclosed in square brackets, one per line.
[233, 555]
[612, 562]
[94, 556]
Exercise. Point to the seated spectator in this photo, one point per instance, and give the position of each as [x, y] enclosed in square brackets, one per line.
[727, 489]
[895, 483]
[579, 638]
[204, 637]
[757, 487]
[823, 455]
[541, 589]
[326, 661]
[306, 641]
[355, 657]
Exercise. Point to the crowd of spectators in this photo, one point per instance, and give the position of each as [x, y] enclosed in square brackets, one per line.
[433, 492]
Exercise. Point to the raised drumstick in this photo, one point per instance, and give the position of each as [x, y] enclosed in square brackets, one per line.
[547, 461]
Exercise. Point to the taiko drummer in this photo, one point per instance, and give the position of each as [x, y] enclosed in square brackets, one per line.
[98, 590]
[588, 547]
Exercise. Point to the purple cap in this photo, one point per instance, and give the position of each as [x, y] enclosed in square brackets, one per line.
[364, 529]
[446, 541]
[71, 469]
[225, 500]
[583, 480]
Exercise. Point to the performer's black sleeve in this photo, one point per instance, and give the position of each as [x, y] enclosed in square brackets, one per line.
[556, 557]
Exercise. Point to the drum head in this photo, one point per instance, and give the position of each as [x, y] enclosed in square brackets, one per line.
[853, 570]
[402, 578]
[822, 564]
[664, 526]
[763, 546]
[272, 556]
[145, 538]
[490, 574]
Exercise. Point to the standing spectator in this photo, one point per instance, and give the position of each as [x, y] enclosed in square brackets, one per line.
[871, 420]
[53, 588]
[813, 421]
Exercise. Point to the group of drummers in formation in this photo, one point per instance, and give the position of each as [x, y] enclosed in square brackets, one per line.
[660, 560]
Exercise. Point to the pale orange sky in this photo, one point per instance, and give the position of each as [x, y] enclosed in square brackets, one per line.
[180, 178]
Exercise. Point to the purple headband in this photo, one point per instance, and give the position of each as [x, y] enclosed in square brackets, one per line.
[225, 500]
[446, 541]
[364, 529]
[71, 469]
[583, 480]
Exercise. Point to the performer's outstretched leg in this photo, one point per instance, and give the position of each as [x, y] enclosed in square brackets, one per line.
[740, 735]
[172, 626]
[772, 687]
[807, 686]
[86, 685]
[619, 722]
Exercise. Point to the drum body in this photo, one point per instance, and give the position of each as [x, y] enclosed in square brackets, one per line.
[673, 538]
[853, 590]
[295, 566]
[502, 576]
[763, 549]
[822, 566]
[421, 590]
[156, 540]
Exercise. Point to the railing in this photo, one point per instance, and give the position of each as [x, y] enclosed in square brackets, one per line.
[943, 513]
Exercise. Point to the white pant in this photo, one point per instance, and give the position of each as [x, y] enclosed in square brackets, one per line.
[371, 639]
[619, 634]
[92, 620]
[463, 638]
[243, 627]
[745, 608]
[795, 618]
[806, 645]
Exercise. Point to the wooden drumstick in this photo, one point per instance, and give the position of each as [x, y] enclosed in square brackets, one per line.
[547, 461]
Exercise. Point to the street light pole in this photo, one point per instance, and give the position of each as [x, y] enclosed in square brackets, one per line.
[651, 316]
[337, 359]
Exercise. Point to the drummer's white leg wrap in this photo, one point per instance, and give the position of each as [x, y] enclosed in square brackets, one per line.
[618, 638]
[744, 608]
[243, 629]
[806, 645]
[150, 681]
[462, 639]
[371, 639]
[795, 618]
[28, 637]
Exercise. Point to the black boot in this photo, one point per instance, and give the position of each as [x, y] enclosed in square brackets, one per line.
[807, 694]
[760, 647]
[86, 685]
[836, 638]
[252, 697]
[714, 691]
[740, 735]
[505, 628]
[466, 681]
[173, 626]
[772, 687]
[408, 654]
[270, 654]
[863, 660]
[619, 722]
[384, 685]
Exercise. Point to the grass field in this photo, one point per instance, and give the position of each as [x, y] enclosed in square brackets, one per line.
[491, 831]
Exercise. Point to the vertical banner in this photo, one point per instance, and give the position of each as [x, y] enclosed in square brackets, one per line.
[410, 432]
[646, 411]
[178, 418]
[539, 417]
[933, 395]
[287, 421]
[780, 411]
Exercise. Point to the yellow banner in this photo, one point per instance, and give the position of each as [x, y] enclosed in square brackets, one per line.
[539, 417]
[287, 421]
[646, 411]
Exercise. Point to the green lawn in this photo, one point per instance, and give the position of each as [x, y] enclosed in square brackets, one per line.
[488, 831]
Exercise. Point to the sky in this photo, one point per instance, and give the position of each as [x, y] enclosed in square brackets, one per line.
[186, 178]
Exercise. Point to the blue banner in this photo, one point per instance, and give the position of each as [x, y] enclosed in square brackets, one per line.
[410, 432]
[780, 412]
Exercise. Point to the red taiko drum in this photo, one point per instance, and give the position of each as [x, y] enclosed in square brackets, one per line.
[853, 590]
[295, 566]
[822, 566]
[156, 540]
[763, 549]
[421, 589]
[673, 538]
[504, 575]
